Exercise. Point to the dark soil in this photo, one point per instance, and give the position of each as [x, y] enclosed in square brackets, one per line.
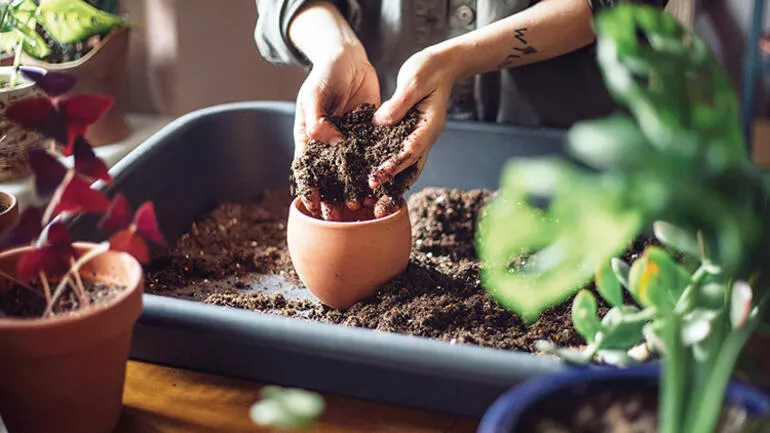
[341, 172]
[4, 206]
[600, 408]
[438, 296]
[30, 302]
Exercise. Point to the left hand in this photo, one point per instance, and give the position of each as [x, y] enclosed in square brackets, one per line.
[424, 80]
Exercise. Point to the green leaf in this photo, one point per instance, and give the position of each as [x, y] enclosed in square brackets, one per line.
[614, 142]
[19, 24]
[584, 225]
[696, 326]
[656, 280]
[621, 270]
[677, 238]
[620, 330]
[286, 408]
[607, 284]
[70, 21]
[569, 355]
[584, 315]
[740, 304]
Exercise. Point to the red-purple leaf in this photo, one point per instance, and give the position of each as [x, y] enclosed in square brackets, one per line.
[127, 241]
[26, 229]
[52, 83]
[79, 197]
[49, 172]
[81, 111]
[56, 234]
[118, 215]
[147, 224]
[30, 113]
[87, 163]
[52, 260]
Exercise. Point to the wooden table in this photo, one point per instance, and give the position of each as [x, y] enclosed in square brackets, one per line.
[160, 399]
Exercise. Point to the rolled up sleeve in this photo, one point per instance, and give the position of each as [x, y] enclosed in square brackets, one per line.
[272, 29]
[599, 5]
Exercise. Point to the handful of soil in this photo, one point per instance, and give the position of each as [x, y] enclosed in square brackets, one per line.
[341, 172]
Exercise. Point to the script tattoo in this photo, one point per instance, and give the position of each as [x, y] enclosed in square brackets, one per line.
[523, 48]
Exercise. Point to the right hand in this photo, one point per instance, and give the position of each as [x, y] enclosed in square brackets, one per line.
[334, 86]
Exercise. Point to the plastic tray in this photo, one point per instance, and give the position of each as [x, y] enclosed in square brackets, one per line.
[234, 151]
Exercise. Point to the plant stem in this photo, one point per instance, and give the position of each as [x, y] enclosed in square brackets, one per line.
[46, 289]
[687, 300]
[19, 283]
[85, 300]
[707, 405]
[16, 62]
[56, 294]
[673, 374]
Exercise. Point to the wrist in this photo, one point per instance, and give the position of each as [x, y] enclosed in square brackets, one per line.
[452, 58]
[322, 34]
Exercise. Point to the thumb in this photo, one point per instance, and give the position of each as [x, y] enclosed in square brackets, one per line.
[317, 126]
[394, 109]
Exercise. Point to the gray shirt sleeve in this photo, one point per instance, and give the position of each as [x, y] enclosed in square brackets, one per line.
[272, 30]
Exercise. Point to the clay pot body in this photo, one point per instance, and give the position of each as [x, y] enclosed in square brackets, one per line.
[102, 70]
[344, 262]
[16, 141]
[66, 374]
[10, 215]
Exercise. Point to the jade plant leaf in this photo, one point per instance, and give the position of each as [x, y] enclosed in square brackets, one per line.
[621, 330]
[70, 21]
[656, 280]
[676, 238]
[584, 225]
[607, 284]
[584, 315]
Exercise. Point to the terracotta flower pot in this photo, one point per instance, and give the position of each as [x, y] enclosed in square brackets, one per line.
[10, 211]
[102, 70]
[15, 140]
[344, 262]
[66, 374]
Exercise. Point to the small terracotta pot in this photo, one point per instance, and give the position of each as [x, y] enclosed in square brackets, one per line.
[342, 263]
[102, 70]
[66, 374]
[10, 215]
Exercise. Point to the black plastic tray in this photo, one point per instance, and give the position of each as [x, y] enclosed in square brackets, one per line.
[234, 151]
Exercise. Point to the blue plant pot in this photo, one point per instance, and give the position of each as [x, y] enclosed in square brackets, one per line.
[505, 414]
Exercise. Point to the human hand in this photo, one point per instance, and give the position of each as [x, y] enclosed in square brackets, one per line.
[424, 80]
[335, 85]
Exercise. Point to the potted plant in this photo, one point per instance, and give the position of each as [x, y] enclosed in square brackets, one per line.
[674, 162]
[67, 309]
[80, 39]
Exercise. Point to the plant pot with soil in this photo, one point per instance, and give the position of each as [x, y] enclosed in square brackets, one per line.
[9, 211]
[346, 239]
[67, 309]
[16, 141]
[81, 40]
[676, 164]
[605, 400]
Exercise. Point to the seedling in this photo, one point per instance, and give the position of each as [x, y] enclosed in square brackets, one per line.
[68, 192]
[676, 162]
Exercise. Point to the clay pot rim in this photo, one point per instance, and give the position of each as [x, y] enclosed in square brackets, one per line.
[14, 203]
[82, 315]
[23, 84]
[75, 63]
[347, 224]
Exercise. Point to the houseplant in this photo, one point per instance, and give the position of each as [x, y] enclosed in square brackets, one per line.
[68, 308]
[675, 161]
[77, 38]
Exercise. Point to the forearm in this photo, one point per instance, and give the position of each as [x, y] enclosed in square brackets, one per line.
[548, 29]
[321, 33]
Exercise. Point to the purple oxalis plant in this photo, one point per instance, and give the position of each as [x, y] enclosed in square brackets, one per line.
[65, 120]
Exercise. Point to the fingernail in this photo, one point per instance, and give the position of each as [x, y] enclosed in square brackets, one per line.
[353, 205]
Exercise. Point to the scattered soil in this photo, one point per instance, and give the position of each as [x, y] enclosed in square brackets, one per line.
[23, 302]
[438, 296]
[341, 172]
[600, 408]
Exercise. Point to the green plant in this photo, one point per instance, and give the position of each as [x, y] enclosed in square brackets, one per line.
[287, 408]
[66, 21]
[675, 161]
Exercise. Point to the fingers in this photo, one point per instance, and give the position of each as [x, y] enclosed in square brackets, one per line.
[384, 207]
[394, 109]
[317, 126]
[330, 212]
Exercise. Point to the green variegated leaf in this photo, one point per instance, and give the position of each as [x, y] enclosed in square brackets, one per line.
[70, 21]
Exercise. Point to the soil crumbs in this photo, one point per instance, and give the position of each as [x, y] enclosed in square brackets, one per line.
[597, 408]
[341, 172]
[29, 302]
[439, 295]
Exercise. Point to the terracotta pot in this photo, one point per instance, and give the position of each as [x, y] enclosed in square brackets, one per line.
[342, 263]
[10, 215]
[66, 374]
[15, 140]
[103, 71]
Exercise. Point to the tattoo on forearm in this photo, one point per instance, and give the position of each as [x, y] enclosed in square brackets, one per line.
[522, 48]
